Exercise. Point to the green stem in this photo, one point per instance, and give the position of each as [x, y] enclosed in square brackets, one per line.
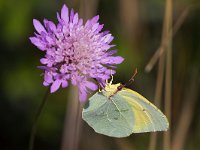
[35, 122]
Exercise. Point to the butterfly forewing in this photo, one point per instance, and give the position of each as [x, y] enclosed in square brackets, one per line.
[148, 118]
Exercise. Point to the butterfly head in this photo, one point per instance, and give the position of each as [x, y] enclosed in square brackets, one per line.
[110, 89]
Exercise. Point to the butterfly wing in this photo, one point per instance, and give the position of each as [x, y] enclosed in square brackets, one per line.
[147, 117]
[111, 117]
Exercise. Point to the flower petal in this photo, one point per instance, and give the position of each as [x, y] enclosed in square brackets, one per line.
[45, 83]
[37, 42]
[112, 60]
[95, 19]
[65, 14]
[58, 17]
[55, 86]
[111, 52]
[48, 78]
[110, 72]
[50, 25]
[64, 84]
[82, 96]
[91, 86]
[50, 40]
[80, 22]
[71, 15]
[100, 27]
[104, 76]
[108, 38]
[95, 27]
[38, 26]
[75, 19]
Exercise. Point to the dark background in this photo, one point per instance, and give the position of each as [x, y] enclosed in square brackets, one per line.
[137, 26]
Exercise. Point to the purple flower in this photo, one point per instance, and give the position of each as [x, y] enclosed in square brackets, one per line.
[75, 52]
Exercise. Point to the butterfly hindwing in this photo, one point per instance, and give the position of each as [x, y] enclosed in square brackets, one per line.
[112, 118]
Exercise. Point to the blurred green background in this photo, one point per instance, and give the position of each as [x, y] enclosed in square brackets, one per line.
[137, 26]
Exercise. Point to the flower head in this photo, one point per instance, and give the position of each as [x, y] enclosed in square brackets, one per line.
[75, 52]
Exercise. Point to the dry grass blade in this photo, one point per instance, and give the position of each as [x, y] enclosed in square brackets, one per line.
[187, 111]
[88, 8]
[164, 44]
[157, 99]
[160, 79]
[168, 72]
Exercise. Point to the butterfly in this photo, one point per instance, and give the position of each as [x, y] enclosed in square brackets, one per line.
[117, 111]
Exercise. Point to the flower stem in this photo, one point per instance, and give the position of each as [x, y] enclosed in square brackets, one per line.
[78, 127]
[35, 122]
[70, 131]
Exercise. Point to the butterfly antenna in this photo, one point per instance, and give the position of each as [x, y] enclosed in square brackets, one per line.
[119, 88]
[132, 78]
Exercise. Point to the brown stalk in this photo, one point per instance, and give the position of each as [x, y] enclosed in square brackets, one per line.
[124, 144]
[68, 140]
[187, 113]
[159, 84]
[157, 99]
[168, 73]
[78, 127]
[130, 23]
[88, 8]
[164, 44]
